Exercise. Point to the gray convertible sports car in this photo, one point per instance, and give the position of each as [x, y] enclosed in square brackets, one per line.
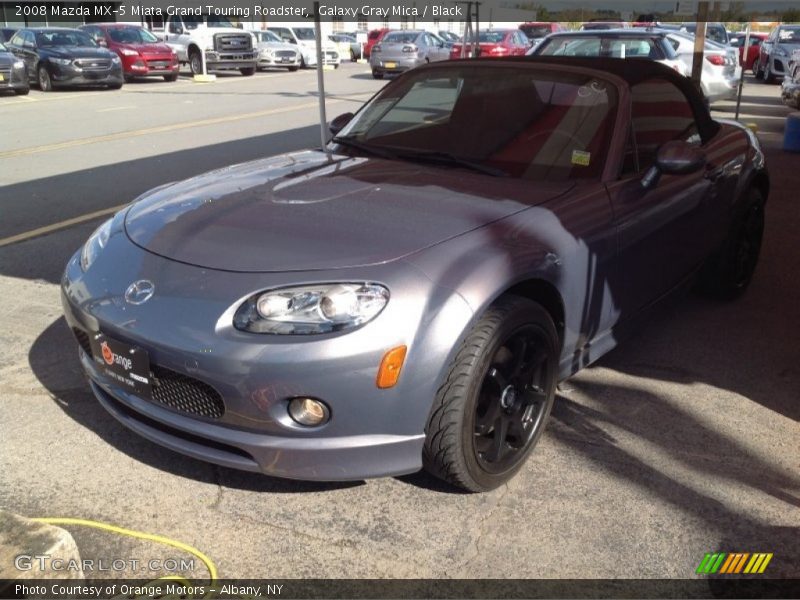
[479, 231]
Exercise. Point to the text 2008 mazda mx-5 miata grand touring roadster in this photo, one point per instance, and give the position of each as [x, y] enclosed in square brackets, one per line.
[479, 231]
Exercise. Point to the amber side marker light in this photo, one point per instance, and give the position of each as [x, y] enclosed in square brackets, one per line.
[391, 364]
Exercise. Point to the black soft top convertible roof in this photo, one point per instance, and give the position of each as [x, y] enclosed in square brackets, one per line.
[633, 71]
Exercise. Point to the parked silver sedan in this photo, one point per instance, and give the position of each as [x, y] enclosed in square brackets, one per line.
[275, 53]
[400, 51]
[719, 79]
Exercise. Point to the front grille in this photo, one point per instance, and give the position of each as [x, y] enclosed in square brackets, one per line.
[172, 389]
[158, 64]
[232, 42]
[331, 55]
[186, 394]
[6, 73]
[93, 64]
[285, 54]
[83, 340]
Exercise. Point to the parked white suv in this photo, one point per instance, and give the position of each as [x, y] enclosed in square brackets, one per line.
[305, 40]
[225, 46]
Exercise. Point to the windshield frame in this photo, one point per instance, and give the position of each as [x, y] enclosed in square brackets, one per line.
[615, 138]
[81, 35]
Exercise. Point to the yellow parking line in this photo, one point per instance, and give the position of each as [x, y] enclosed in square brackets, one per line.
[153, 130]
[21, 237]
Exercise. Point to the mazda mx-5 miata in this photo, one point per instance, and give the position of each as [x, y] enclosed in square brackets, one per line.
[411, 294]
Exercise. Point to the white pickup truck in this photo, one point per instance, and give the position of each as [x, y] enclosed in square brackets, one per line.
[224, 46]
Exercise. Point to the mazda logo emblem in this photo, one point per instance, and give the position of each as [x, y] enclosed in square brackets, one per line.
[140, 291]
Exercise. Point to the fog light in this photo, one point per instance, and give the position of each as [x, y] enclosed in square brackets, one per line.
[308, 412]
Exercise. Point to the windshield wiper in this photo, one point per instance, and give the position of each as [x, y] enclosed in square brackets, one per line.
[445, 158]
[351, 142]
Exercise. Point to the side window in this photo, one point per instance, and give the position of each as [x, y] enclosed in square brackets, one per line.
[175, 25]
[17, 39]
[29, 40]
[660, 113]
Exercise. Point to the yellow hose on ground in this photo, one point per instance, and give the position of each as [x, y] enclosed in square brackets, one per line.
[160, 539]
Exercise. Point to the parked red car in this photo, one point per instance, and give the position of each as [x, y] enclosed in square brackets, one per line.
[373, 37]
[756, 39]
[497, 42]
[141, 53]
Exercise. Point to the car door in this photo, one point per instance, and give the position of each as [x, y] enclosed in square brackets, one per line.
[24, 47]
[766, 48]
[175, 36]
[664, 232]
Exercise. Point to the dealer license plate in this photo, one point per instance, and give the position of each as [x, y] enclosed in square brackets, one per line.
[127, 365]
[390, 65]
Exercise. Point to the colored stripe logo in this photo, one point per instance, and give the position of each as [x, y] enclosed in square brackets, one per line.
[734, 563]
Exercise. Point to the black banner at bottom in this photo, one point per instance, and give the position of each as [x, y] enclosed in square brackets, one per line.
[106, 589]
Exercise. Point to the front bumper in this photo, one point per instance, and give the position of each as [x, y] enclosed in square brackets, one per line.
[372, 432]
[779, 66]
[13, 79]
[790, 93]
[219, 61]
[151, 66]
[69, 76]
[278, 62]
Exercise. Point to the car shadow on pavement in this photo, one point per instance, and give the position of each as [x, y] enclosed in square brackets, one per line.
[53, 360]
[707, 453]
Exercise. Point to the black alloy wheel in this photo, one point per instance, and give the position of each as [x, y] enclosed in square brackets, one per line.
[747, 246]
[513, 400]
[494, 403]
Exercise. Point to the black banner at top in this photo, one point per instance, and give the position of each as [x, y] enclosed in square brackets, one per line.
[404, 11]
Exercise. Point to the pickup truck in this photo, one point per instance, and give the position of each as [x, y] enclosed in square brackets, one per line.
[225, 46]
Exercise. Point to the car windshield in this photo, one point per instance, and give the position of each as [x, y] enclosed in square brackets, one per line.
[63, 38]
[304, 33]
[531, 123]
[789, 35]
[267, 36]
[536, 31]
[491, 37]
[399, 38]
[131, 35]
[610, 47]
[210, 20]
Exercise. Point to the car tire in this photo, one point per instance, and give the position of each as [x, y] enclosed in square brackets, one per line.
[128, 78]
[114, 86]
[377, 74]
[292, 69]
[729, 272]
[43, 77]
[767, 74]
[196, 62]
[336, 66]
[247, 71]
[22, 92]
[173, 77]
[496, 398]
[757, 72]
[353, 56]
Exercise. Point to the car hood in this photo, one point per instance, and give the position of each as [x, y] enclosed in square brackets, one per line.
[78, 52]
[148, 47]
[300, 211]
[6, 58]
[277, 46]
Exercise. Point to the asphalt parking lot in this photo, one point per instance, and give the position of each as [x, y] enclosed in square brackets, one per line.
[682, 441]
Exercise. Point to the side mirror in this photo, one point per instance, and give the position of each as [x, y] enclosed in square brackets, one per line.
[339, 122]
[674, 158]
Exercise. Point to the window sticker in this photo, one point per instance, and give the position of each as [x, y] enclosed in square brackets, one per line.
[580, 157]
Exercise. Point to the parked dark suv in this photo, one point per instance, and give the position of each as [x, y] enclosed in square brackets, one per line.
[57, 56]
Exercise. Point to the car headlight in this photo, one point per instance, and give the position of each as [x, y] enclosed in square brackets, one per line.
[61, 61]
[18, 64]
[129, 52]
[95, 244]
[266, 53]
[311, 309]
[115, 58]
